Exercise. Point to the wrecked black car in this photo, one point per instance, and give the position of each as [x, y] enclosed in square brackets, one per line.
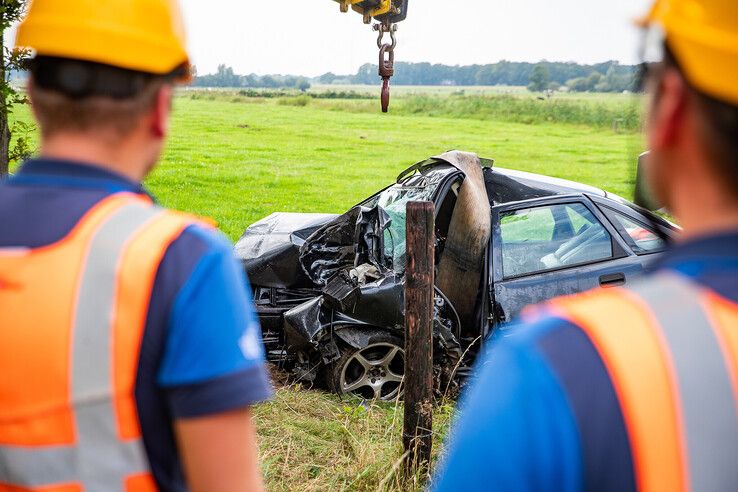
[328, 288]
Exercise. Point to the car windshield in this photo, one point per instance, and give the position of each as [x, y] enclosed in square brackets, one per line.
[394, 201]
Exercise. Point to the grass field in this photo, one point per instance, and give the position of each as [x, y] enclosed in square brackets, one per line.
[237, 159]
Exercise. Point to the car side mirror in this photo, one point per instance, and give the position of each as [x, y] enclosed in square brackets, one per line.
[644, 196]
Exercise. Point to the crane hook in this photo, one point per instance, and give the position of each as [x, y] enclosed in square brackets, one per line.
[386, 71]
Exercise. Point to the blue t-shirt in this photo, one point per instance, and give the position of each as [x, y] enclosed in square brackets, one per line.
[543, 413]
[201, 351]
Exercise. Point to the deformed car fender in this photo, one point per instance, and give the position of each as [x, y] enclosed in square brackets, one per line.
[312, 327]
[358, 337]
[305, 323]
[381, 305]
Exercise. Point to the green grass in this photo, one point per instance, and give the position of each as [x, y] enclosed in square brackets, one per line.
[314, 441]
[236, 159]
[237, 162]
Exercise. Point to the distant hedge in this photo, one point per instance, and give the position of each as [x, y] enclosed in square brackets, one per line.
[626, 116]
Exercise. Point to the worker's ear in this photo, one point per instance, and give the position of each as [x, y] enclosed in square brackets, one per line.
[161, 111]
[666, 114]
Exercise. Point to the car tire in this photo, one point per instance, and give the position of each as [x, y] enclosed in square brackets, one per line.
[374, 372]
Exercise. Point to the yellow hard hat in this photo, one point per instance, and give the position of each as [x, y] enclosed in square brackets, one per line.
[142, 35]
[703, 34]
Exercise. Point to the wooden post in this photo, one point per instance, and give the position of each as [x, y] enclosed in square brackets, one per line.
[419, 280]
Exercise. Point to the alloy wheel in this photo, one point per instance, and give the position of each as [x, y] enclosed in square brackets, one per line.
[374, 372]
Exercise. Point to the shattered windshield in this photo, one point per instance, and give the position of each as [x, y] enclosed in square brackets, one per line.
[394, 201]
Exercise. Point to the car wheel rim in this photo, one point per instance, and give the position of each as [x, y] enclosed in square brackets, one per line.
[374, 372]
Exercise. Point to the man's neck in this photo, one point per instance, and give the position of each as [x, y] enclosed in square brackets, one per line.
[707, 216]
[95, 152]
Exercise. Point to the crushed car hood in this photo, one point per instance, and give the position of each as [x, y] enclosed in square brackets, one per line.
[270, 248]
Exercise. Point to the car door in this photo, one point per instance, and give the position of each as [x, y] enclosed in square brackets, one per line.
[550, 247]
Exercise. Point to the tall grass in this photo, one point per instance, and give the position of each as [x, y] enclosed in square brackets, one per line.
[299, 101]
[312, 441]
[611, 112]
[624, 116]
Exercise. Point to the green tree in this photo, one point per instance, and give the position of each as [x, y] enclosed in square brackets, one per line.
[289, 81]
[485, 75]
[539, 79]
[578, 84]
[327, 78]
[226, 77]
[250, 80]
[303, 84]
[593, 80]
[10, 63]
[269, 81]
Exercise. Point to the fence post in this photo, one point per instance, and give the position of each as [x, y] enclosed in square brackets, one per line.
[419, 281]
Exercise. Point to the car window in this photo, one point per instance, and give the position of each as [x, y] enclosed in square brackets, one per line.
[531, 224]
[578, 221]
[394, 202]
[643, 238]
[532, 238]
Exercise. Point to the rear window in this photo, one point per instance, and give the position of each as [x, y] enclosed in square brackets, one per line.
[642, 238]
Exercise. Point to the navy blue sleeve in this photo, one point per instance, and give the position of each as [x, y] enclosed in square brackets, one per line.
[515, 430]
[213, 357]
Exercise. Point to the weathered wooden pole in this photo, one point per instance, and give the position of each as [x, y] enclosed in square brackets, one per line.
[419, 280]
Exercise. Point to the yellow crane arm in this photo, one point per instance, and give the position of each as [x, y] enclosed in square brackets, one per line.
[384, 11]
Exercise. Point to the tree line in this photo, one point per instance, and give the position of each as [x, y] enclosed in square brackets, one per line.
[226, 77]
[601, 77]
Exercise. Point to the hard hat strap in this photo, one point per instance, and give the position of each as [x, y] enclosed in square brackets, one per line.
[81, 79]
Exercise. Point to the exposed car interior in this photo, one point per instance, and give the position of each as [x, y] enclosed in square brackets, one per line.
[550, 237]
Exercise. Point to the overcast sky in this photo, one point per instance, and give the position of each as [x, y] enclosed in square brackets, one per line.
[311, 37]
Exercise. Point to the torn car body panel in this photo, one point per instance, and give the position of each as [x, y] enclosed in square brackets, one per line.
[461, 269]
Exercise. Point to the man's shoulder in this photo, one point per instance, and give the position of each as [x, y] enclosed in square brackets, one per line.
[199, 251]
[198, 238]
[547, 319]
[53, 213]
[589, 306]
[212, 239]
[575, 327]
[560, 324]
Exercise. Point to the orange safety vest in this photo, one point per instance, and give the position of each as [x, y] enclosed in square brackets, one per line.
[671, 351]
[72, 316]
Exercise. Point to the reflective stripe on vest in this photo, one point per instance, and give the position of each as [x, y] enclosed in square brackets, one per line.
[114, 286]
[675, 373]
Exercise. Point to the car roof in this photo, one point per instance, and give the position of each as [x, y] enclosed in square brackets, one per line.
[507, 185]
